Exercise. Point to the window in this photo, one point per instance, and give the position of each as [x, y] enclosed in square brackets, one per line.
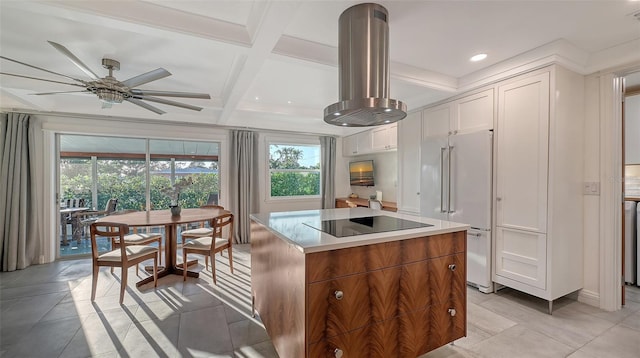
[294, 170]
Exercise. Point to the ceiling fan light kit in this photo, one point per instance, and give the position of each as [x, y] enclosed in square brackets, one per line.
[109, 90]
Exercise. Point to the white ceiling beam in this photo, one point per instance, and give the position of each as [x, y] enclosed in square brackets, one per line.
[267, 22]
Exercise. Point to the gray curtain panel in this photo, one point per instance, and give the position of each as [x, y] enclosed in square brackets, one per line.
[243, 182]
[328, 165]
[19, 218]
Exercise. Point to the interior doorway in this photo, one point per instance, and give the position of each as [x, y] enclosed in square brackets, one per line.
[630, 250]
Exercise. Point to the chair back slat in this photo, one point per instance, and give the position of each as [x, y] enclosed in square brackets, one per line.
[223, 226]
[107, 229]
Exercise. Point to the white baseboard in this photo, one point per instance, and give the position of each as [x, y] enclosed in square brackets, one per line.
[590, 298]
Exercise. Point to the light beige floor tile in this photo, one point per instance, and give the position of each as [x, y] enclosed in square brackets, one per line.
[29, 310]
[633, 321]
[474, 336]
[570, 326]
[580, 354]
[260, 350]
[619, 342]
[449, 351]
[632, 293]
[157, 311]
[475, 296]
[487, 320]
[99, 334]
[247, 333]
[212, 320]
[519, 341]
[152, 338]
[509, 308]
[46, 339]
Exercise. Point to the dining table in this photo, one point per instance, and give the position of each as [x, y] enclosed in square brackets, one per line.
[170, 223]
[64, 212]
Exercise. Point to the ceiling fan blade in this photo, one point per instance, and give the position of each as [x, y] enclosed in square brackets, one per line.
[145, 105]
[41, 79]
[141, 92]
[171, 103]
[62, 92]
[156, 74]
[41, 69]
[76, 61]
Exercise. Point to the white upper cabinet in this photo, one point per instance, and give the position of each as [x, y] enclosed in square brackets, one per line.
[467, 114]
[473, 113]
[378, 139]
[384, 137]
[409, 137]
[436, 121]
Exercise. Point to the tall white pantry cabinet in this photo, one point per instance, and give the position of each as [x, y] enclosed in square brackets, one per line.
[538, 183]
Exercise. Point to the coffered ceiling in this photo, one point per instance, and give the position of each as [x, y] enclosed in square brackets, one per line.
[273, 64]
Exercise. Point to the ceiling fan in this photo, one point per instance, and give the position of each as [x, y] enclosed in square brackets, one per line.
[109, 90]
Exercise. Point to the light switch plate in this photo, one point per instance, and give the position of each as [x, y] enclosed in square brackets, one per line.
[591, 188]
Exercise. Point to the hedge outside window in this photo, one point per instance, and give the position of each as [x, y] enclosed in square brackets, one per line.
[294, 170]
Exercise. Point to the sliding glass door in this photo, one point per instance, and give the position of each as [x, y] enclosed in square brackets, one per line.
[95, 171]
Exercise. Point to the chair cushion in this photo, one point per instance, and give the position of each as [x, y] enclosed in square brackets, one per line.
[132, 252]
[138, 238]
[204, 243]
[203, 231]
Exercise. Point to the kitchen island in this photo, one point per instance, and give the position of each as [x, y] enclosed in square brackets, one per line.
[398, 293]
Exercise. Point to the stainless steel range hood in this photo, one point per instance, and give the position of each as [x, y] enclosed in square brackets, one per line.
[363, 61]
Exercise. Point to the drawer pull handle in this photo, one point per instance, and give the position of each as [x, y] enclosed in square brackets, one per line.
[452, 267]
[338, 353]
[452, 312]
[339, 295]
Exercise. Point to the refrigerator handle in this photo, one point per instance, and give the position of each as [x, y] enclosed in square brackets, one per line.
[449, 183]
[442, 210]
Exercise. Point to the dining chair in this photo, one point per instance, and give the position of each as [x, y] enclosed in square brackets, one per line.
[375, 204]
[221, 238]
[86, 218]
[124, 257]
[137, 238]
[201, 231]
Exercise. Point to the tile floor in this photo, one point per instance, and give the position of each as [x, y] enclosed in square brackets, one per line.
[45, 311]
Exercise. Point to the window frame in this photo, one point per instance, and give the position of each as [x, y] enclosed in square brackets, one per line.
[290, 142]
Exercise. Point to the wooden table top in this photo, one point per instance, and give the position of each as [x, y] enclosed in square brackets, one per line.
[164, 217]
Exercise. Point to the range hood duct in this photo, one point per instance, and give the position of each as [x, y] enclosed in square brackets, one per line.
[363, 61]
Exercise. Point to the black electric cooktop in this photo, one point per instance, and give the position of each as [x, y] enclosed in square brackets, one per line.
[365, 225]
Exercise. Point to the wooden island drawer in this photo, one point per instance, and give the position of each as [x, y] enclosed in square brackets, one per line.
[408, 335]
[331, 264]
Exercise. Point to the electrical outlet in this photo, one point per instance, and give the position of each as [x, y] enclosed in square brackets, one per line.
[591, 188]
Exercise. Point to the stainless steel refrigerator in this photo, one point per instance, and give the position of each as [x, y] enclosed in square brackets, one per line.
[456, 186]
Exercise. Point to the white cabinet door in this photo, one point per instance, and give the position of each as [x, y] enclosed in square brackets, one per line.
[436, 121]
[364, 142]
[473, 113]
[522, 154]
[409, 136]
[521, 256]
[349, 145]
[632, 129]
[384, 137]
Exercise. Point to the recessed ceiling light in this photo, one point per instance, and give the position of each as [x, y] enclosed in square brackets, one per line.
[387, 121]
[388, 110]
[257, 98]
[478, 57]
[289, 102]
[336, 114]
[344, 124]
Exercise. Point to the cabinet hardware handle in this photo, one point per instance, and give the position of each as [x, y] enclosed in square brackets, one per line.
[338, 353]
[452, 267]
[452, 312]
[339, 295]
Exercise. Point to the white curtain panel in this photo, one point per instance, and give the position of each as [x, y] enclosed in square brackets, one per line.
[243, 182]
[20, 223]
[328, 165]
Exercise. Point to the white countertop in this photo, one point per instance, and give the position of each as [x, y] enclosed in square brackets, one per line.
[289, 225]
